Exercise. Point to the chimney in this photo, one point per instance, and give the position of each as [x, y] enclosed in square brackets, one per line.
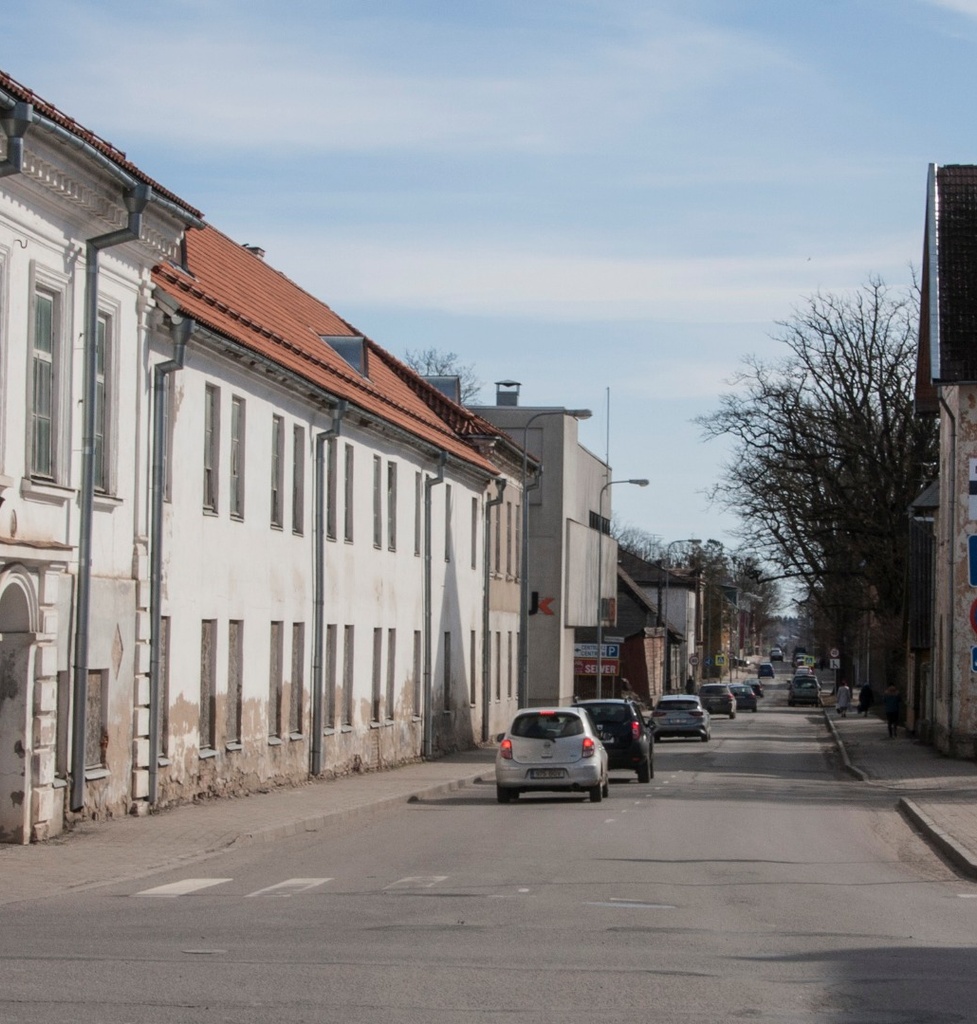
[255, 250]
[507, 392]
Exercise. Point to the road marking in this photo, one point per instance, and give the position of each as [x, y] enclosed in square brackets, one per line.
[188, 885]
[967, 895]
[416, 882]
[291, 886]
[632, 905]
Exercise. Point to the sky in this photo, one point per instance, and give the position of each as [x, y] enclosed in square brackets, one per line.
[613, 202]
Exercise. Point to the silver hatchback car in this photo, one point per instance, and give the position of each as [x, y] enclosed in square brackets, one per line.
[551, 749]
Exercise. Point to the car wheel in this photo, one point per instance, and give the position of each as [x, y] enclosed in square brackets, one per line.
[597, 793]
[502, 794]
[607, 787]
[754, 711]
[732, 714]
[790, 703]
[705, 737]
[645, 771]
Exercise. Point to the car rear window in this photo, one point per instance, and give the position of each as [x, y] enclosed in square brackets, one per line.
[608, 713]
[543, 726]
[714, 688]
[678, 705]
[805, 684]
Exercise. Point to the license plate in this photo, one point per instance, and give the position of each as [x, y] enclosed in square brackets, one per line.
[547, 773]
[608, 741]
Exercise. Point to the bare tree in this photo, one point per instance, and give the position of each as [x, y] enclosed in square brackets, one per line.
[431, 362]
[828, 452]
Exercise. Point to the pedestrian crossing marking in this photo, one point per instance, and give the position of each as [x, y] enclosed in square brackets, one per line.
[416, 882]
[184, 888]
[292, 885]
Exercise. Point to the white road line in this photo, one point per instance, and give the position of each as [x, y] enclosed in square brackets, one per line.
[184, 888]
[416, 882]
[291, 886]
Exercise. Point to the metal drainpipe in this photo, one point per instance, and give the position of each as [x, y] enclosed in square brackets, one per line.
[430, 483]
[318, 569]
[486, 629]
[135, 202]
[182, 328]
[15, 123]
[951, 536]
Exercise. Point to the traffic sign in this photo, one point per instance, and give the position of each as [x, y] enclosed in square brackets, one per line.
[694, 659]
[835, 653]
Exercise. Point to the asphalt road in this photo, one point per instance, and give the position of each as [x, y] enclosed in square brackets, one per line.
[750, 881]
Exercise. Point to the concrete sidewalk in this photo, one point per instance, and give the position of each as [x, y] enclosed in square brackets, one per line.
[937, 794]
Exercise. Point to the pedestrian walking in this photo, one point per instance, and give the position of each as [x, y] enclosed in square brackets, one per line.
[865, 699]
[891, 701]
[843, 699]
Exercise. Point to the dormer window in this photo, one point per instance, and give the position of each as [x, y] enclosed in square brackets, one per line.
[351, 347]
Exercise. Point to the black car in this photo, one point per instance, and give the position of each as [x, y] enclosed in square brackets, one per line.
[718, 699]
[628, 740]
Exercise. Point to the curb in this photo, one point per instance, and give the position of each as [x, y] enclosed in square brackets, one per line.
[315, 822]
[846, 763]
[958, 855]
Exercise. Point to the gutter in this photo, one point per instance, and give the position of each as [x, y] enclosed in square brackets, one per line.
[319, 572]
[182, 328]
[430, 482]
[486, 629]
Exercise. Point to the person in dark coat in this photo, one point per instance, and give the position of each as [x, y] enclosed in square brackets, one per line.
[865, 699]
[891, 701]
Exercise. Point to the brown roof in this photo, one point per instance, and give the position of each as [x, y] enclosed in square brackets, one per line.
[49, 111]
[232, 291]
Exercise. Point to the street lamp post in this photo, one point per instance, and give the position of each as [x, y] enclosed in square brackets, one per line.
[522, 683]
[600, 573]
[666, 661]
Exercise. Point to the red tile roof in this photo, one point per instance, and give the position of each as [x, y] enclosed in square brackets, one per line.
[49, 111]
[232, 291]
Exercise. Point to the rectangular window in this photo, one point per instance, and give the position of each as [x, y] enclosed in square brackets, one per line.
[391, 670]
[298, 480]
[497, 527]
[447, 522]
[96, 733]
[43, 422]
[211, 446]
[508, 538]
[472, 668]
[275, 670]
[416, 674]
[235, 682]
[103, 336]
[418, 506]
[474, 532]
[208, 672]
[377, 668]
[164, 686]
[237, 458]
[296, 695]
[348, 495]
[277, 471]
[392, 506]
[446, 679]
[498, 666]
[348, 663]
[332, 487]
[330, 681]
[518, 544]
[509, 665]
[377, 501]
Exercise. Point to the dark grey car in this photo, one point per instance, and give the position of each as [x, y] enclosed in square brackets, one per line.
[629, 741]
[717, 699]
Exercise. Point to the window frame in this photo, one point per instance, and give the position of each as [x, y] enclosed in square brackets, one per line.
[277, 481]
[238, 457]
[211, 439]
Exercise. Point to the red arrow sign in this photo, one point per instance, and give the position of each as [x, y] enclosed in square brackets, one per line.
[545, 605]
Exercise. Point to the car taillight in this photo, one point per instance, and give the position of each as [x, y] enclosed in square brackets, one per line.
[589, 747]
[695, 714]
[635, 730]
[505, 749]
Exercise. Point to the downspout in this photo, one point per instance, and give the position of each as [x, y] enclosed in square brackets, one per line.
[319, 574]
[135, 202]
[182, 328]
[486, 629]
[15, 123]
[951, 537]
[430, 482]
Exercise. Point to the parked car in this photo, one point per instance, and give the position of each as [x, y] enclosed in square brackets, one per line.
[776, 654]
[680, 715]
[746, 699]
[766, 670]
[804, 689]
[623, 731]
[718, 699]
[551, 749]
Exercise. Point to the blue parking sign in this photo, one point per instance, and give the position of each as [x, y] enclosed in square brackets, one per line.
[972, 559]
